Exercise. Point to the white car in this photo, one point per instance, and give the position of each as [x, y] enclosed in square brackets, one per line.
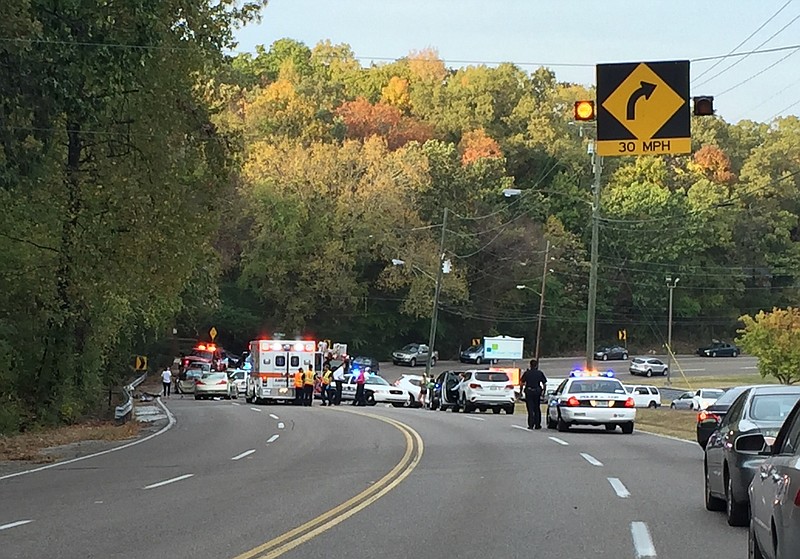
[239, 378]
[644, 396]
[413, 385]
[377, 390]
[486, 389]
[648, 366]
[705, 397]
[591, 398]
[215, 383]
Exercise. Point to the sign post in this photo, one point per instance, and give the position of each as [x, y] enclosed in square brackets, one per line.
[643, 108]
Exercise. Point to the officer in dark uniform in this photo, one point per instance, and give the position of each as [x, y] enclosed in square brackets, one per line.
[533, 383]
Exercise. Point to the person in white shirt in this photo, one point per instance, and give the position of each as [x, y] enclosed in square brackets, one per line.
[166, 381]
[338, 379]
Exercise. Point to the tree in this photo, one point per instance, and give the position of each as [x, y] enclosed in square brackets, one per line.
[774, 337]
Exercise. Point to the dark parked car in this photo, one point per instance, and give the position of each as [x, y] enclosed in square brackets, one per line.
[775, 496]
[604, 353]
[734, 451]
[719, 349]
[709, 419]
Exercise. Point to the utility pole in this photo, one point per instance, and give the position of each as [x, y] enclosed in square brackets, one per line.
[541, 299]
[597, 162]
[671, 285]
[438, 289]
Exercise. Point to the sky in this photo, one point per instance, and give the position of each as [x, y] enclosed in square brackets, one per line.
[570, 37]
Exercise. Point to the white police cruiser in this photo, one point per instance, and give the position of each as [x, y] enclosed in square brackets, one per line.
[591, 398]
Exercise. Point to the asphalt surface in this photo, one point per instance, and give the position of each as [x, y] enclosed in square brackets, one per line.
[690, 365]
[483, 487]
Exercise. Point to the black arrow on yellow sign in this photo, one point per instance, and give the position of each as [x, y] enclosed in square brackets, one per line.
[645, 90]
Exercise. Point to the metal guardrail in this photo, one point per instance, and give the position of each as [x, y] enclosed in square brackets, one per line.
[123, 411]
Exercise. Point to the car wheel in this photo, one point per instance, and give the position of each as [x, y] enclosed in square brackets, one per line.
[247, 398]
[627, 428]
[478, 360]
[665, 371]
[672, 405]
[196, 397]
[370, 398]
[712, 503]
[735, 354]
[737, 513]
[649, 373]
[652, 404]
[611, 427]
[562, 425]
[550, 423]
[510, 409]
[713, 354]
[605, 357]
[399, 405]
[410, 403]
[624, 356]
[753, 549]
[413, 362]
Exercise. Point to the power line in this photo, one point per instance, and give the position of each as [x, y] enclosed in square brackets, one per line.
[750, 36]
[761, 72]
[783, 110]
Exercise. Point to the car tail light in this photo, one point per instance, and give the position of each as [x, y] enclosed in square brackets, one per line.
[573, 402]
[704, 415]
[223, 381]
[198, 381]
[474, 385]
[629, 403]
[510, 387]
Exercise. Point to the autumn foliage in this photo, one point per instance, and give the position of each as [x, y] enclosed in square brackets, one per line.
[477, 145]
[713, 162]
[364, 120]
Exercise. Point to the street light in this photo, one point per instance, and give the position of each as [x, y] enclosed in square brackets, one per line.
[671, 284]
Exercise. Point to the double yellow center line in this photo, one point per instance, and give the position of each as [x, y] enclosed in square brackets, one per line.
[324, 522]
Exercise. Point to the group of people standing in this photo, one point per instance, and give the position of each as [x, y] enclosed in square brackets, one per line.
[331, 382]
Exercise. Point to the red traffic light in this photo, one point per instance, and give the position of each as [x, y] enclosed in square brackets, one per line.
[584, 110]
[703, 105]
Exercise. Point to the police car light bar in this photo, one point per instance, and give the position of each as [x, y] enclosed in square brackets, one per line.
[586, 374]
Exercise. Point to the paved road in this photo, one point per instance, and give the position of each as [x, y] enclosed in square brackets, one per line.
[692, 366]
[482, 487]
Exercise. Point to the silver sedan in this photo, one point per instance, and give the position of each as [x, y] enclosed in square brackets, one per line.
[683, 402]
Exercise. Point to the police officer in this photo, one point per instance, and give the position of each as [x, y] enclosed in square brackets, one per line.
[533, 383]
[298, 387]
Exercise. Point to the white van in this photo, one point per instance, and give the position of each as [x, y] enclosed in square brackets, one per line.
[644, 396]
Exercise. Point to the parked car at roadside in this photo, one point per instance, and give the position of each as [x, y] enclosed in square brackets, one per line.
[377, 390]
[719, 349]
[644, 396]
[413, 384]
[475, 354]
[187, 378]
[709, 419]
[604, 353]
[648, 366]
[774, 496]
[413, 355]
[705, 397]
[239, 378]
[683, 402]
[483, 390]
[733, 454]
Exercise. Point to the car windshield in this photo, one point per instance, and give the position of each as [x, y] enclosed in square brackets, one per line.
[376, 380]
[492, 377]
[730, 395]
[473, 348]
[772, 407]
[605, 386]
[410, 347]
[239, 375]
[711, 393]
[214, 376]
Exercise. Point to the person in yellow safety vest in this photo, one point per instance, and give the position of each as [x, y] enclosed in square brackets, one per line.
[325, 388]
[298, 387]
[308, 386]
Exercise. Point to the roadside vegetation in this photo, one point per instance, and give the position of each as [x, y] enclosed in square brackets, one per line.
[151, 182]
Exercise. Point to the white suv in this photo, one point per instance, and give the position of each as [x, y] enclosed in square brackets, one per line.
[486, 389]
[644, 396]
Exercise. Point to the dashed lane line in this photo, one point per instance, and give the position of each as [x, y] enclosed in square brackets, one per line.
[559, 441]
[235, 404]
[642, 542]
[474, 418]
[15, 524]
[273, 416]
[272, 439]
[255, 409]
[520, 427]
[591, 459]
[281, 425]
[168, 481]
[619, 488]
[243, 454]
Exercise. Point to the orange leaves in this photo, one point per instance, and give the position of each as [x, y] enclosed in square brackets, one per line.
[364, 120]
[714, 164]
[477, 145]
[426, 66]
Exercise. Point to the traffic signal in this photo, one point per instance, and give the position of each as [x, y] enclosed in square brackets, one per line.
[703, 105]
[584, 111]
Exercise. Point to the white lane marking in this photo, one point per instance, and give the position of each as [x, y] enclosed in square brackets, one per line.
[273, 416]
[620, 489]
[272, 439]
[164, 429]
[749, 367]
[281, 425]
[642, 541]
[15, 524]
[168, 481]
[520, 427]
[474, 418]
[243, 454]
[236, 403]
[559, 441]
[693, 370]
[591, 459]
[255, 409]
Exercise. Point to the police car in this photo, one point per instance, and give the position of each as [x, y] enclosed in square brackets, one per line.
[591, 398]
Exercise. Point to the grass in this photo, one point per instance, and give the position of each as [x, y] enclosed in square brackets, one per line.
[665, 421]
[693, 383]
[29, 446]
